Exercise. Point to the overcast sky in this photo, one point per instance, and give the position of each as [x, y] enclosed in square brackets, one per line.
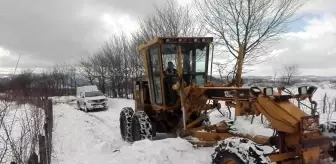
[49, 32]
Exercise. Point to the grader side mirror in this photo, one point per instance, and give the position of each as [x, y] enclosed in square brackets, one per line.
[311, 90]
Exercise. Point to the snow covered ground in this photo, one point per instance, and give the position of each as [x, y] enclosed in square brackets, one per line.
[94, 137]
[18, 126]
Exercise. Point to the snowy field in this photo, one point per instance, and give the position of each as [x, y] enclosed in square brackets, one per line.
[19, 126]
[94, 137]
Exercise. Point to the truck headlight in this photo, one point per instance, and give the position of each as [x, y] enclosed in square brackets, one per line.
[90, 101]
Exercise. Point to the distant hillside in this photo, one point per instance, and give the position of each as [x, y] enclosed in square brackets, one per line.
[4, 75]
[247, 79]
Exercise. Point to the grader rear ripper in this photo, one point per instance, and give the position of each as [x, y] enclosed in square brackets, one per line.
[180, 103]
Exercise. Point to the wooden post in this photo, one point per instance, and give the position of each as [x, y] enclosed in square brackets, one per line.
[49, 128]
[33, 159]
[46, 131]
[50, 108]
[42, 151]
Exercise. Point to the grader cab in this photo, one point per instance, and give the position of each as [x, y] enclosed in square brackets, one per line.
[176, 95]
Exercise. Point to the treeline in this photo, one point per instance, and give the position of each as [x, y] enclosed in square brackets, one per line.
[115, 66]
[56, 81]
[235, 25]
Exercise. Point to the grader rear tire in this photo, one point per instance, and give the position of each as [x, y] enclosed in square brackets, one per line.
[236, 150]
[141, 126]
[230, 158]
[125, 121]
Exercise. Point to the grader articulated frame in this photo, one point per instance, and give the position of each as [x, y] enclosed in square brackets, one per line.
[180, 104]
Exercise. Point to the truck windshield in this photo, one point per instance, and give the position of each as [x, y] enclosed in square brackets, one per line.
[93, 94]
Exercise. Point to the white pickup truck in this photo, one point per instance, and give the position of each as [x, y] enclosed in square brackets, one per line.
[90, 98]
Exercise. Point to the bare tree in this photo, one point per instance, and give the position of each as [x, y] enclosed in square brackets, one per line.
[87, 69]
[220, 68]
[247, 27]
[289, 71]
[100, 67]
[275, 75]
[117, 54]
[170, 19]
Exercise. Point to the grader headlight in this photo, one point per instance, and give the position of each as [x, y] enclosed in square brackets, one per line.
[302, 90]
[268, 91]
[255, 91]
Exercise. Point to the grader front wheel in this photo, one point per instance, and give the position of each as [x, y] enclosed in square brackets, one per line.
[125, 121]
[141, 126]
[230, 158]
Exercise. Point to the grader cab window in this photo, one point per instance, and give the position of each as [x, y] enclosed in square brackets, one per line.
[194, 63]
[201, 64]
[169, 60]
[194, 66]
[169, 54]
[155, 70]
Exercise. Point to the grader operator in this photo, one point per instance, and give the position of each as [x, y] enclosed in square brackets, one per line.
[180, 104]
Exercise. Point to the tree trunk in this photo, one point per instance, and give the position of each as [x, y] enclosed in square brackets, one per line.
[324, 103]
[240, 66]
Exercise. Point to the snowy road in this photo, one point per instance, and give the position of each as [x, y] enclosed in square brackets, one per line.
[87, 138]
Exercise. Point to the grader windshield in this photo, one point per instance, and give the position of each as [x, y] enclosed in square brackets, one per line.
[194, 61]
[162, 56]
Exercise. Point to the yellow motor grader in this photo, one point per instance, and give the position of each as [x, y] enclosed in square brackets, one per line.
[177, 100]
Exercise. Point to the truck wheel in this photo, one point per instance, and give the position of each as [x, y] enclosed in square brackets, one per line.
[78, 106]
[125, 121]
[85, 108]
[239, 151]
[141, 126]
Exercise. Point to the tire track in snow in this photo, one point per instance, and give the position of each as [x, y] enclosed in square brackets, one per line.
[101, 120]
[74, 105]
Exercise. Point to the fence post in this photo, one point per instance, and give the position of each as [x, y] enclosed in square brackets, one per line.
[46, 143]
[50, 108]
[42, 149]
[33, 159]
[49, 125]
